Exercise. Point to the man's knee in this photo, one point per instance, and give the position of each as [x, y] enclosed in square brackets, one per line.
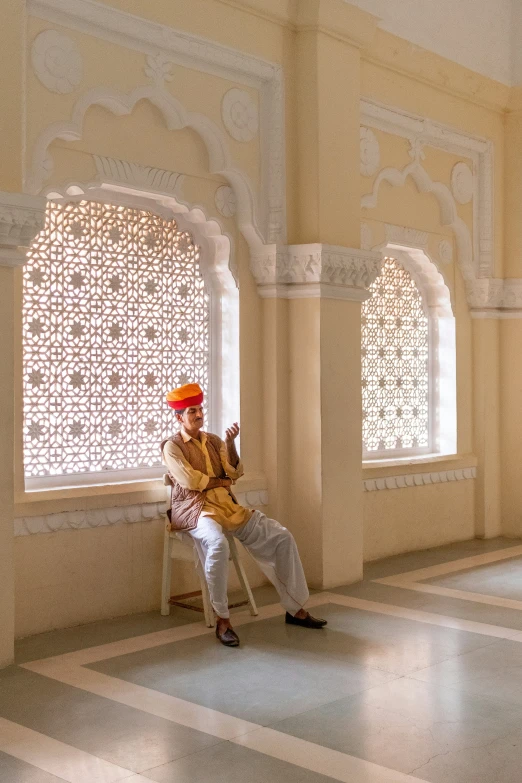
[218, 548]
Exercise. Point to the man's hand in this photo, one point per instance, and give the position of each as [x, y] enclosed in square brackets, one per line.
[232, 433]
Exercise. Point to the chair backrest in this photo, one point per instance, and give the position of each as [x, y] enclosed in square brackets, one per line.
[168, 487]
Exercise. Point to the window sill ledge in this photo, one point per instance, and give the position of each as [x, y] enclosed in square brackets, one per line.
[116, 494]
[423, 464]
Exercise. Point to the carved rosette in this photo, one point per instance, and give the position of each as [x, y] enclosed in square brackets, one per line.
[462, 182]
[225, 200]
[22, 217]
[240, 116]
[56, 61]
[315, 270]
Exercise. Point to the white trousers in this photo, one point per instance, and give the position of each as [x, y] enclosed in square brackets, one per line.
[270, 544]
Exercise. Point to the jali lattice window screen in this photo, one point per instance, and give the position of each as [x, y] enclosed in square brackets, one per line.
[115, 313]
[395, 366]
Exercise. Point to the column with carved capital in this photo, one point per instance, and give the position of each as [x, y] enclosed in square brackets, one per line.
[21, 218]
[325, 282]
[318, 409]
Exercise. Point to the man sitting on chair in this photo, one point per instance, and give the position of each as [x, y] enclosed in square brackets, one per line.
[203, 468]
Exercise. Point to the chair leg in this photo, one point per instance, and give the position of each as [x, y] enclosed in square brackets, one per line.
[166, 575]
[243, 579]
[205, 596]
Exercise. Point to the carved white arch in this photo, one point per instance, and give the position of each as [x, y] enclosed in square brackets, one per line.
[436, 296]
[216, 268]
[446, 202]
[176, 117]
[436, 300]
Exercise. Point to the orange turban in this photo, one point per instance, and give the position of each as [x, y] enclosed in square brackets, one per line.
[185, 396]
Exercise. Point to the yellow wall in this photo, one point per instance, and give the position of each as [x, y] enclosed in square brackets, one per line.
[78, 576]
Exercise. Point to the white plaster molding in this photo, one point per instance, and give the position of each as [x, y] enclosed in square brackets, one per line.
[402, 235]
[447, 205]
[239, 115]
[446, 251]
[370, 152]
[496, 298]
[176, 117]
[462, 184]
[225, 201]
[192, 51]
[436, 297]
[119, 515]
[124, 171]
[314, 270]
[56, 61]
[366, 236]
[22, 217]
[485, 293]
[419, 479]
[425, 132]
[158, 68]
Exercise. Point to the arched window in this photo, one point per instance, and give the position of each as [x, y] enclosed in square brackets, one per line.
[408, 363]
[115, 313]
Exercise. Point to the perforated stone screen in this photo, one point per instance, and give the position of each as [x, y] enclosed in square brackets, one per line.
[114, 315]
[395, 365]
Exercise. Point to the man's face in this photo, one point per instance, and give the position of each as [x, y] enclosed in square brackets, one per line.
[192, 418]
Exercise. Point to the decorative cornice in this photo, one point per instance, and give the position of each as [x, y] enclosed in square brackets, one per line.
[192, 51]
[119, 515]
[495, 298]
[22, 217]
[315, 270]
[419, 479]
[124, 171]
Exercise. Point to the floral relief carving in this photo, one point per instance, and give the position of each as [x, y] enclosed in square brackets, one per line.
[226, 202]
[56, 61]
[316, 263]
[462, 182]
[240, 115]
[370, 152]
[159, 68]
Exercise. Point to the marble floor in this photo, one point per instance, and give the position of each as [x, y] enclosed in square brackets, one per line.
[417, 677]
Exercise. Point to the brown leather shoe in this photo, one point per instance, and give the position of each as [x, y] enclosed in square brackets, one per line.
[229, 637]
[305, 622]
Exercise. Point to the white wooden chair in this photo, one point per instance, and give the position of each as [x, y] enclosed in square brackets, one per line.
[180, 546]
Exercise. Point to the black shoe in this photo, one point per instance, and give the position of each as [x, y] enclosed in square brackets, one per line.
[305, 622]
[229, 637]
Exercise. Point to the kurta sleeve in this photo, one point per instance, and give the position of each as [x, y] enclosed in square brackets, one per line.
[181, 470]
[232, 473]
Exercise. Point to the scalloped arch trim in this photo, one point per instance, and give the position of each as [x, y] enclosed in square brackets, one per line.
[176, 118]
[447, 206]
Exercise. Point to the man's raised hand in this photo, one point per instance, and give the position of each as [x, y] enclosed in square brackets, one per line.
[232, 433]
